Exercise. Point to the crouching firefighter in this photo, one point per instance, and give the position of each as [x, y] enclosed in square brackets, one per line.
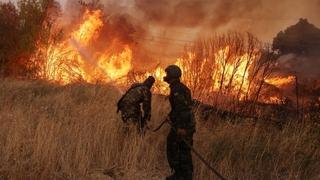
[182, 126]
[137, 97]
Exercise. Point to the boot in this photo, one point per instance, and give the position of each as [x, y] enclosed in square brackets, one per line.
[172, 177]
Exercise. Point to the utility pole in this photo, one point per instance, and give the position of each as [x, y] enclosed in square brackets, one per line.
[297, 97]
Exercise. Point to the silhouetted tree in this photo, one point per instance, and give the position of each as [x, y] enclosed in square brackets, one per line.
[9, 28]
[302, 38]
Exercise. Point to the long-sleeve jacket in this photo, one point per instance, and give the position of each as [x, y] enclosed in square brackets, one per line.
[181, 114]
[130, 102]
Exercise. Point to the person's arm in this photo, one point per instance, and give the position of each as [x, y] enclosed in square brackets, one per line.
[146, 105]
[119, 104]
[184, 121]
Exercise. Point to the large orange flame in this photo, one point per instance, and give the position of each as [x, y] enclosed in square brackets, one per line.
[73, 60]
[238, 71]
[228, 73]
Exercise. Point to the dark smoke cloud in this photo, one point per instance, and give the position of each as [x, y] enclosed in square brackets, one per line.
[263, 18]
[174, 13]
[299, 46]
[196, 12]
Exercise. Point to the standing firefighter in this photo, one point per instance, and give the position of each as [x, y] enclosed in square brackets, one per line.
[130, 104]
[183, 126]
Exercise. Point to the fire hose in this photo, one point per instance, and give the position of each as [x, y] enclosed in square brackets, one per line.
[192, 149]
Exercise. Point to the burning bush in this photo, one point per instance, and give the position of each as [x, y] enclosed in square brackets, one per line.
[233, 65]
[77, 57]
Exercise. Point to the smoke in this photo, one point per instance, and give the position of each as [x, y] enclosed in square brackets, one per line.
[299, 46]
[187, 20]
[302, 66]
[160, 29]
[263, 18]
[195, 12]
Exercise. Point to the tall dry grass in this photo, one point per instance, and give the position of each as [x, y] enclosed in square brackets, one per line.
[73, 132]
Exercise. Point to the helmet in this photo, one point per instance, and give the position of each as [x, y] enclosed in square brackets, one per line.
[173, 72]
[149, 81]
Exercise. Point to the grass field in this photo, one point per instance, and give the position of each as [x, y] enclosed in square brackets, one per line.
[73, 132]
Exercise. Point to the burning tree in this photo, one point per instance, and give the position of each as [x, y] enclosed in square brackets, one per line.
[24, 29]
[232, 66]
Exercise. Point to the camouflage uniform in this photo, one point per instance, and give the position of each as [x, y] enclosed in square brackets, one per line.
[181, 116]
[130, 105]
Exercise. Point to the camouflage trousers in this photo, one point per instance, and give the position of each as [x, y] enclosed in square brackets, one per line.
[179, 155]
[135, 119]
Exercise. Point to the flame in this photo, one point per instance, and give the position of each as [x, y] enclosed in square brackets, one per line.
[235, 71]
[73, 59]
[274, 100]
[280, 81]
[228, 73]
[89, 29]
[118, 65]
[160, 86]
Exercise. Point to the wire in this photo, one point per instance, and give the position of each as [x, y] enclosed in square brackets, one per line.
[163, 39]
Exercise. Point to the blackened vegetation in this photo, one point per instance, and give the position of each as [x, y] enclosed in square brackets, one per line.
[277, 115]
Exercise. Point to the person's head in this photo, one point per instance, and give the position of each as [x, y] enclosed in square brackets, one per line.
[149, 82]
[173, 72]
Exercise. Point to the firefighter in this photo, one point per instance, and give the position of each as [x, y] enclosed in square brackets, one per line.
[135, 104]
[182, 126]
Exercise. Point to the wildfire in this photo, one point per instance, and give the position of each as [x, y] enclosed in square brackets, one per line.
[280, 81]
[235, 73]
[229, 71]
[74, 58]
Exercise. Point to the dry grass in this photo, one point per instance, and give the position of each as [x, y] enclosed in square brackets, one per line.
[73, 132]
